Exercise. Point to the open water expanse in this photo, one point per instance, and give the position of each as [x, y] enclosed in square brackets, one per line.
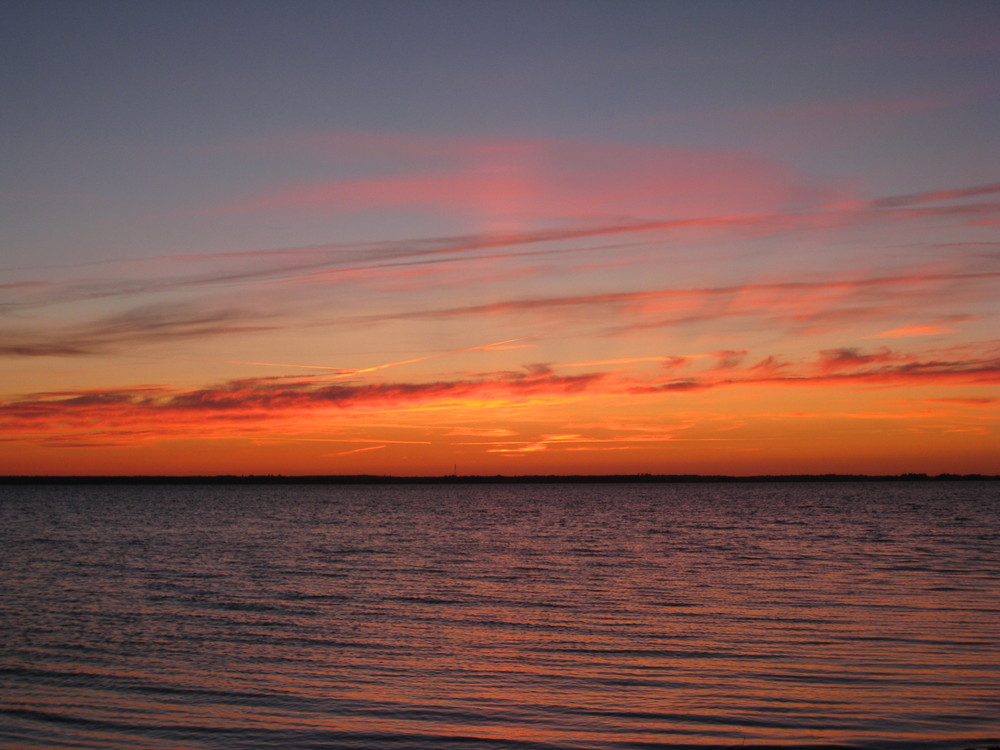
[863, 615]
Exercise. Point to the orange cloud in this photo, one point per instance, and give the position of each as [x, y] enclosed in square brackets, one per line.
[929, 329]
[256, 401]
[846, 368]
[290, 405]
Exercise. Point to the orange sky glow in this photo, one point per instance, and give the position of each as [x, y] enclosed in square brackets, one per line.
[333, 370]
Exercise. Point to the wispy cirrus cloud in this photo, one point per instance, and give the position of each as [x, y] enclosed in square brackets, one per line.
[262, 397]
[937, 196]
[964, 400]
[136, 327]
[801, 306]
[836, 360]
[800, 303]
[292, 404]
[324, 263]
[907, 302]
[849, 368]
[329, 262]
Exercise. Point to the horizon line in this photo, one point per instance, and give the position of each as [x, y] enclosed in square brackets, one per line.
[643, 477]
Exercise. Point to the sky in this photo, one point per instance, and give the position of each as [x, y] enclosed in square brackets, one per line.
[425, 238]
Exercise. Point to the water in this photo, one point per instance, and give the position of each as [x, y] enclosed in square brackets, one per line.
[521, 616]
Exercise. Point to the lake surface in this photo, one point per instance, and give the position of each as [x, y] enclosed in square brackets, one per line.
[862, 615]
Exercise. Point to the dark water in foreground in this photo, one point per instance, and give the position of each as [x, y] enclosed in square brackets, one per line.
[521, 616]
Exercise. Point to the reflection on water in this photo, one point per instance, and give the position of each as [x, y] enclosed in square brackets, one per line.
[515, 616]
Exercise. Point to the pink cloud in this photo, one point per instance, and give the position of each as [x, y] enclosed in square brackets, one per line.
[803, 304]
[501, 181]
[402, 263]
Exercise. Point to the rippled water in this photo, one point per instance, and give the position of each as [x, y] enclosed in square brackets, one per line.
[522, 616]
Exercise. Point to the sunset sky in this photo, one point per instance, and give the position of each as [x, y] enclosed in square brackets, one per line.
[499, 237]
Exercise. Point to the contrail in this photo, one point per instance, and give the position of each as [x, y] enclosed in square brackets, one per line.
[358, 450]
[283, 364]
[346, 372]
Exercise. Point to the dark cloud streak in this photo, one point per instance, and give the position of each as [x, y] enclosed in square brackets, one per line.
[138, 327]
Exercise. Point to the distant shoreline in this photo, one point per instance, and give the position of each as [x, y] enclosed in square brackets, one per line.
[355, 479]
